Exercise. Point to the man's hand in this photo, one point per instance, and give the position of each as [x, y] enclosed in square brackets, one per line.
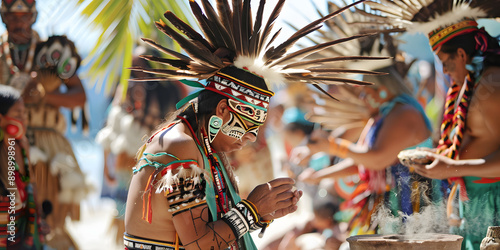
[307, 176]
[276, 198]
[443, 167]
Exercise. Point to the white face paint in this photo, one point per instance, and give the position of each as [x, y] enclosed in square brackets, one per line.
[237, 128]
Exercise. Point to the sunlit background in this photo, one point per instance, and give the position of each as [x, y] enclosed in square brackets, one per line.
[61, 17]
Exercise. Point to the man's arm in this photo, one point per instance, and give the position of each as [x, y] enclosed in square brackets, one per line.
[190, 213]
[401, 129]
[342, 169]
[487, 96]
[73, 97]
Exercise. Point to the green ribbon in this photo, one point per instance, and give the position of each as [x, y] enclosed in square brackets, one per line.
[190, 97]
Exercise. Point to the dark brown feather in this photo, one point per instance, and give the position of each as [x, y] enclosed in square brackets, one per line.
[166, 50]
[246, 27]
[187, 30]
[193, 48]
[203, 22]
[272, 54]
[237, 6]
[309, 50]
[328, 79]
[225, 13]
[324, 92]
[217, 27]
[332, 59]
[255, 38]
[273, 37]
[174, 63]
[345, 71]
[269, 25]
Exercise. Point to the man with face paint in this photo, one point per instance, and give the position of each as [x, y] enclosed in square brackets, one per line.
[20, 217]
[226, 115]
[38, 69]
[183, 194]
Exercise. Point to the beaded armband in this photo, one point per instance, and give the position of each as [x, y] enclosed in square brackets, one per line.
[186, 194]
[243, 218]
[185, 189]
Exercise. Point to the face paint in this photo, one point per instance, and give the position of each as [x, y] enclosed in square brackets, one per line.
[237, 128]
[253, 114]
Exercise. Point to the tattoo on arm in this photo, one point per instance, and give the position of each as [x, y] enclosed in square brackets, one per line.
[217, 239]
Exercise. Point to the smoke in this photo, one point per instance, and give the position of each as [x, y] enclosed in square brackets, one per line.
[431, 219]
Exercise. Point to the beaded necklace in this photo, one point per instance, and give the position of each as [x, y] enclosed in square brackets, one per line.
[221, 192]
[8, 58]
[456, 118]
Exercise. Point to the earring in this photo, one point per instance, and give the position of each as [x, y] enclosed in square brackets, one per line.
[214, 125]
[382, 94]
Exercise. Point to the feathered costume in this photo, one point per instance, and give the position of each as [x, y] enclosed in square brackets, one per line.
[56, 173]
[236, 56]
[395, 187]
[444, 21]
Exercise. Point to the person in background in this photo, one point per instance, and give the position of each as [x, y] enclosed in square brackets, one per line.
[471, 58]
[397, 122]
[322, 227]
[20, 219]
[45, 73]
[128, 122]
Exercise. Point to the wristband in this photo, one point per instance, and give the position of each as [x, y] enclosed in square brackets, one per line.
[242, 218]
[236, 222]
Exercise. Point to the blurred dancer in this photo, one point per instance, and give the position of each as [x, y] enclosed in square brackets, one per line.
[38, 69]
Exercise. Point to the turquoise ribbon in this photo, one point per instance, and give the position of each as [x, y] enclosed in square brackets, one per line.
[190, 97]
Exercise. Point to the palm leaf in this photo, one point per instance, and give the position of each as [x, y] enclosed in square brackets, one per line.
[122, 23]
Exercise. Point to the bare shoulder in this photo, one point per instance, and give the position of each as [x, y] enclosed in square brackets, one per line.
[174, 141]
[405, 118]
[488, 88]
[405, 113]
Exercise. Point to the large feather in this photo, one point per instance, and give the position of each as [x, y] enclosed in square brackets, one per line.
[237, 6]
[345, 71]
[246, 27]
[167, 72]
[203, 22]
[194, 48]
[325, 79]
[332, 59]
[309, 50]
[272, 54]
[273, 37]
[187, 30]
[225, 15]
[270, 23]
[255, 38]
[217, 27]
[166, 50]
[324, 91]
[174, 63]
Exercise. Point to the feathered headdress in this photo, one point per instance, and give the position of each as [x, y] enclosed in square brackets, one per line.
[352, 112]
[236, 55]
[18, 6]
[441, 20]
